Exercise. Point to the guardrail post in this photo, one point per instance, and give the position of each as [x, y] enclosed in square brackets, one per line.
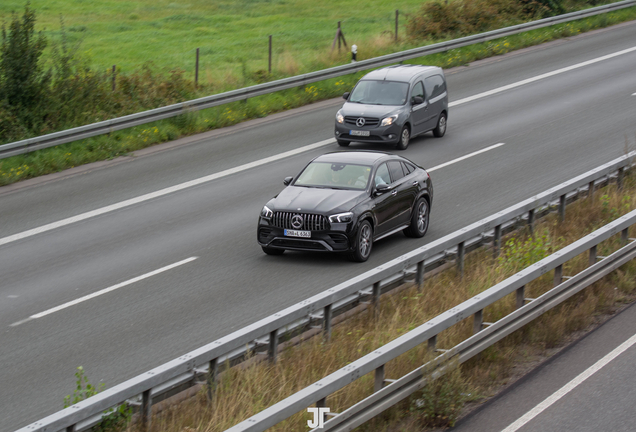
[146, 409]
[273, 346]
[478, 320]
[497, 241]
[460, 259]
[592, 259]
[71, 428]
[378, 383]
[419, 275]
[432, 344]
[531, 221]
[624, 236]
[590, 190]
[558, 275]
[326, 323]
[562, 208]
[619, 179]
[376, 298]
[212, 372]
[521, 295]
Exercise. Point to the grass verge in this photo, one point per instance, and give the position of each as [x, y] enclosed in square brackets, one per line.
[120, 143]
[243, 391]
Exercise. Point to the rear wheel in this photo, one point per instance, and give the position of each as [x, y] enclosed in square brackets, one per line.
[405, 137]
[364, 243]
[440, 129]
[272, 251]
[342, 143]
[419, 219]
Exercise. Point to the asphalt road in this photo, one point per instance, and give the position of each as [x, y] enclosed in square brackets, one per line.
[552, 128]
[588, 387]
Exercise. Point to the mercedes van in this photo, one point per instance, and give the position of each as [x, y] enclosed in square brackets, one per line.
[393, 104]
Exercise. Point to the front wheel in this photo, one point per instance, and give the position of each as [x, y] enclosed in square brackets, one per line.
[342, 143]
[363, 243]
[440, 129]
[405, 136]
[419, 219]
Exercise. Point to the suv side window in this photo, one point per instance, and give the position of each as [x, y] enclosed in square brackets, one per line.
[435, 86]
[396, 170]
[418, 90]
[382, 175]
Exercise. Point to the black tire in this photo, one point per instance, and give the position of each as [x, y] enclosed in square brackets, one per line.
[419, 219]
[272, 251]
[440, 129]
[342, 143]
[363, 243]
[405, 137]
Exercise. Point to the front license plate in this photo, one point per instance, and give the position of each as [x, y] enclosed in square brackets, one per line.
[295, 233]
[359, 133]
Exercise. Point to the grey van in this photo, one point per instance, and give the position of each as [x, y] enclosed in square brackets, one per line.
[393, 104]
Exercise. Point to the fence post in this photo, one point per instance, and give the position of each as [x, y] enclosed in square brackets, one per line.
[397, 13]
[114, 75]
[196, 71]
[269, 67]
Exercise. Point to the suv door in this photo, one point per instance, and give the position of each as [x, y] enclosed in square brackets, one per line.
[404, 190]
[384, 204]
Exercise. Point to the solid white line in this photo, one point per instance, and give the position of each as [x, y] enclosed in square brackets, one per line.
[465, 157]
[540, 77]
[104, 291]
[570, 386]
[161, 192]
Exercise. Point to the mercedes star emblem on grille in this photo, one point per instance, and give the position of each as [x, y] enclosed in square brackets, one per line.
[360, 122]
[297, 221]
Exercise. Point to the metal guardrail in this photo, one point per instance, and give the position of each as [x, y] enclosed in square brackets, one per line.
[108, 126]
[185, 370]
[385, 397]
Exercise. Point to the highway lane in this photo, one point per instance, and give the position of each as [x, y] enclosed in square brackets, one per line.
[588, 387]
[552, 129]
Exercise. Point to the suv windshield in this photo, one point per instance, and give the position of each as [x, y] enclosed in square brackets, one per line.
[334, 175]
[380, 92]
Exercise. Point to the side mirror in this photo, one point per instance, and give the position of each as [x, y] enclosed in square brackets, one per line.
[287, 181]
[418, 100]
[346, 96]
[382, 188]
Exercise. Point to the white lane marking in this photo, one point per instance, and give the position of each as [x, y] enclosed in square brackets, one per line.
[465, 157]
[104, 291]
[254, 164]
[540, 77]
[570, 386]
[161, 192]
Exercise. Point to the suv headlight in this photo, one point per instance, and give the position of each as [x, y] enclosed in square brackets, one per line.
[266, 213]
[339, 117]
[389, 120]
[341, 217]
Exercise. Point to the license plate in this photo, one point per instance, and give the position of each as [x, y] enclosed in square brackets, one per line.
[359, 133]
[295, 233]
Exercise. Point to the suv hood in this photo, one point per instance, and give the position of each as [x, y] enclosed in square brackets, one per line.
[316, 200]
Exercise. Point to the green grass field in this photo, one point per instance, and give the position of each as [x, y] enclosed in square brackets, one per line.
[231, 35]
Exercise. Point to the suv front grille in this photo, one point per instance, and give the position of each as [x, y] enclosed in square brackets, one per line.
[310, 222]
[368, 121]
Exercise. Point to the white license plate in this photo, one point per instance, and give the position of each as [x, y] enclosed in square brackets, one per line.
[295, 233]
[359, 133]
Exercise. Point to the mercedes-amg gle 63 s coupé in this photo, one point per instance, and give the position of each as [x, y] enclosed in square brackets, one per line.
[344, 202]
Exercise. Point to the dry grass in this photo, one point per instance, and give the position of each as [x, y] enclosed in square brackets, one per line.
[242, 392]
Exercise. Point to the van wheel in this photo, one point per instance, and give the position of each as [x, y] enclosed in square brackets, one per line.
[364, 243]
[405, 136]
[419, 220]
[342, 143]
[440, 130]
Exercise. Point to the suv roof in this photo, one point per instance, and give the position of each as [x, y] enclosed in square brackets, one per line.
[403, 73]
